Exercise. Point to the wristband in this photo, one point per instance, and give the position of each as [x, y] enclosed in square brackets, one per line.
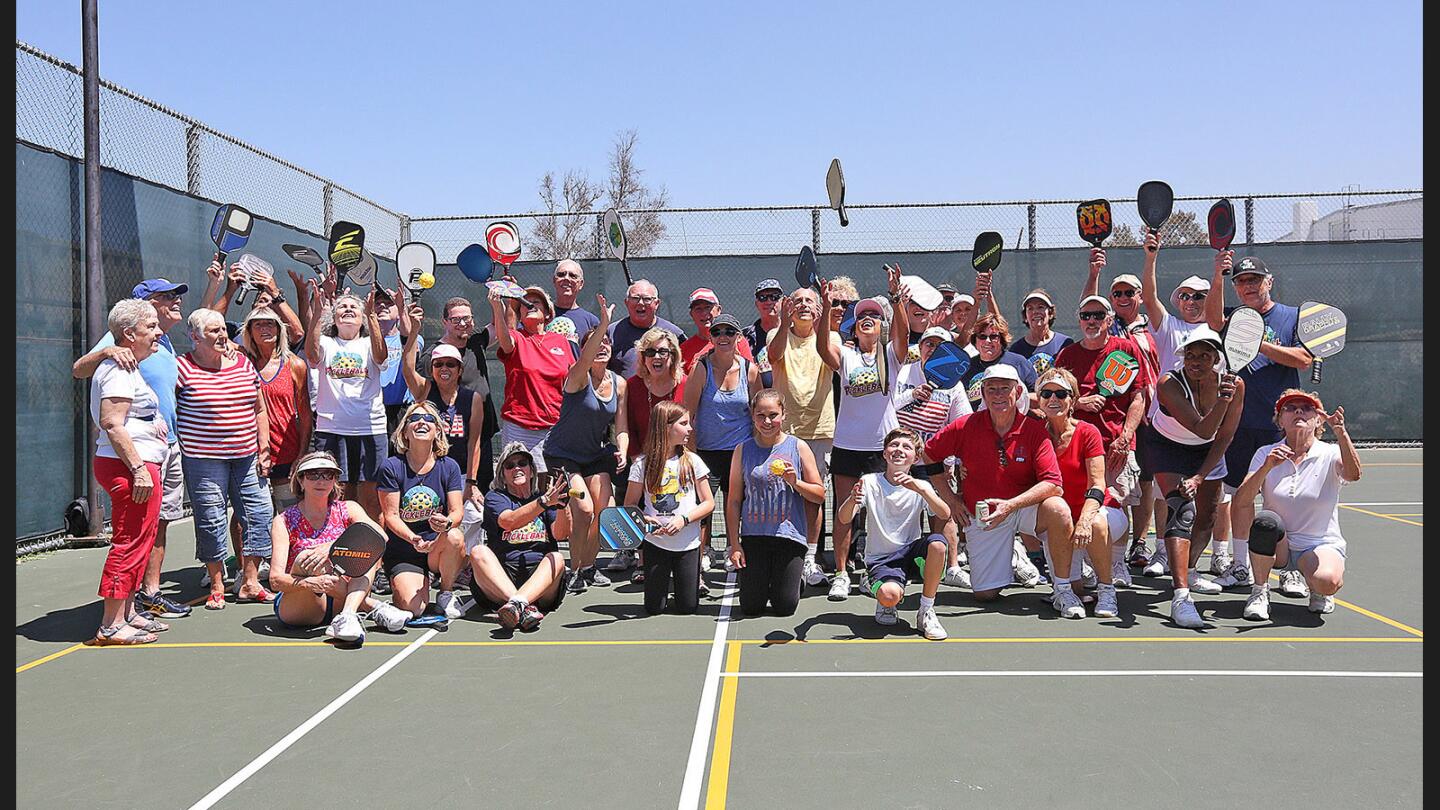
[1095, 494]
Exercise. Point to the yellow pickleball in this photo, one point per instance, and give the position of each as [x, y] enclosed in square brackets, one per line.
[427, 280]
[777, 467]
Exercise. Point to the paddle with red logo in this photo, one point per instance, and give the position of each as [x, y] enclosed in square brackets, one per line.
[1221, 224]
[502, 240]
[356, 550]
[1093, 217]
[1116, 373]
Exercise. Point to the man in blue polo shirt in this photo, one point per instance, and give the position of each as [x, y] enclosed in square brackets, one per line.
[160, 371]
[1276, 369]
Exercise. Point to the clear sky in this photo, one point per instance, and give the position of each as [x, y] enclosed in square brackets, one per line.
[449, 107]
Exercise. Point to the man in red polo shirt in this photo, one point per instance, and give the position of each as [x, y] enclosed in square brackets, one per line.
[1010, 466]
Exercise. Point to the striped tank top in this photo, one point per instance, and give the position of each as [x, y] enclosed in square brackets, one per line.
[215, 409]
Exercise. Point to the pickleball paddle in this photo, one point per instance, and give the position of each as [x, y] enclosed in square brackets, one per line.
[1241, 338]
[502, 240]
[615, 240]
[1156, 200]
[1322, 333]
[253, 266]
[347, 242]
[1116, 373]
[835, 188]
[415, 261]
[947, 365]
[1221, 224]
[622, 527]
[357, 549]
[305, 255]
[985, 256]
[807, 269]
[230, 230]
[1094, 220]
[475, 263]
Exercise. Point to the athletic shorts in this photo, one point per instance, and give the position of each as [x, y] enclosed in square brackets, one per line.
[990, 550]
[855, 463]
[519, 567]
[1242, 449]
[1168, 456]
[1116, 523]
[401, 557]
[600, 466]
[1143, 437]
[172, 485]
[719, 463]
[534, 440]
[359, 456]
[904, 566]
[329, 613]
[821, 449]
[1298, 548]
[924, 471]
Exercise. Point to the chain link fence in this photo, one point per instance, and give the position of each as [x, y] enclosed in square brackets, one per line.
[165, 172]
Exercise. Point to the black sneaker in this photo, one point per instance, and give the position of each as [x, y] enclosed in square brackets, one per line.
[382, 583]
[158, 604]
[577, 582]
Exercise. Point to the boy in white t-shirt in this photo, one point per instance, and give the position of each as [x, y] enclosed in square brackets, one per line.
[895, 552]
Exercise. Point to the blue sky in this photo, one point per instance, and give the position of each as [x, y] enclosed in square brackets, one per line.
[449, 108]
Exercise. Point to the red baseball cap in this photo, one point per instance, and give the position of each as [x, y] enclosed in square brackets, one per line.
[704, 294]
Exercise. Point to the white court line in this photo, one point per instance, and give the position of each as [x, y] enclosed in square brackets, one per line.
[304, 728]
[705, 718]
[1385, 503]
[1083, 673]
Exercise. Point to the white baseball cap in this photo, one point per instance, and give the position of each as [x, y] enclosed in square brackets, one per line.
[1195, 283]
[1126, 278]
[1001, 371]
[937, 331]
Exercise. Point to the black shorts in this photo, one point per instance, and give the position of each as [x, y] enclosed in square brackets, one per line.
[855, 463]
[1169, 456]
[600, 466]
[1143, 439]
[359, 456]
[719, 463]
[1242, 450]
[519, 567]
[904, 566]
[401, 557]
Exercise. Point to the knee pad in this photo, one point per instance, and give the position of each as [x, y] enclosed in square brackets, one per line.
[1181, 520]
[1266, 531]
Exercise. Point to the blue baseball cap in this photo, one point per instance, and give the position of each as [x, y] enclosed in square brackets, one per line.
[768, 284]
[150, 286]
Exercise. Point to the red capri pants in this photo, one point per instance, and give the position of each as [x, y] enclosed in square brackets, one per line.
[134, 526]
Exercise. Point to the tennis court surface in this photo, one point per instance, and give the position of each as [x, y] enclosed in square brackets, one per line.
[603, 707]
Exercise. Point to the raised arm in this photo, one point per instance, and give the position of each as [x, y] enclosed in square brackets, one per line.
[504, 341]
[378, 350]
[829, 352]
[1097, 264]
[1154, 306]
[313, 353]
[1215, 301]
[409, 360]
[578, 376]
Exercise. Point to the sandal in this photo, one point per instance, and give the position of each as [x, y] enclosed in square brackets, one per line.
[148, 623]
[264, 597]
[110, 636]
[215, 601]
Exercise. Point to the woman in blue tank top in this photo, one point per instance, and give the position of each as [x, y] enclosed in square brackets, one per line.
[771, 476]
[593, 400]
[717, 394]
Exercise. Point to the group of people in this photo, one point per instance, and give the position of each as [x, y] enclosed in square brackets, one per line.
[1048, 455]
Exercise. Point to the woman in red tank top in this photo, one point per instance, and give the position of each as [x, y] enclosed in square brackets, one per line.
[285, 389]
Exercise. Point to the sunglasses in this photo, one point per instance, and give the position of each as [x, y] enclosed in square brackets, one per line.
[1093, 316]
[461, 321]
[657, 352]
[1200, 296]
[515, 465]
[421, 417]
[723, 331]
[839, 304]
[991, 336]
[643, 300]
[445, 364]
[768, 297]
[530, 306]
[320, 475]
[1297, 407]
[1122, 293]
[1057, 393]
[165, 297]
[1000, 448]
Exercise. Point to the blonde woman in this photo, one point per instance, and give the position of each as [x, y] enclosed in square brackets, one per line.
[307, 586]
[421, 505]
[658, 378]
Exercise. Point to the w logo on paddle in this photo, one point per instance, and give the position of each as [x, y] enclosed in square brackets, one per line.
[1117, 373]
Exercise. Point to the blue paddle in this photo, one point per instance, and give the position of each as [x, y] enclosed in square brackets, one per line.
[622, 527]
[475, 263]
[947, 366]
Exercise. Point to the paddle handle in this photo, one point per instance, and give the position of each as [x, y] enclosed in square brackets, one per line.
[844, 220]
[1315, 371]
[625, 265]
[1155, 231]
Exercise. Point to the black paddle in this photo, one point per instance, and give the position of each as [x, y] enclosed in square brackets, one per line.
[357, 548]
[985, 257]
[1155, 199]
[807, 269]
[1094, 220]
[835, 187]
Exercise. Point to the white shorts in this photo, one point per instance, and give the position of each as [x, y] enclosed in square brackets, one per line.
[1116, 523]
[172, 485]
[821, 448]
[1298, 547]
[534, 441]
[471, 526]
[991, 550]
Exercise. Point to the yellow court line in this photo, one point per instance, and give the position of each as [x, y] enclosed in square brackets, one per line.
[1372, 614]
[1379, 515]
[724, 733]
[47, 659]
[1104, 640]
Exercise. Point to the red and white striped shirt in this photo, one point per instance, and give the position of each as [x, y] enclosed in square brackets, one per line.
[215, 410]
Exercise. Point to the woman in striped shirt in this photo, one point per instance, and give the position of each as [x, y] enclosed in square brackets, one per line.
[224, 451]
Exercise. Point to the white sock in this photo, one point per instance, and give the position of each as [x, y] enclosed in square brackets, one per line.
[1242, 551]
[1260, 587]
[809, 554]
[1181, 594]
[926, 602]
[1220, 547]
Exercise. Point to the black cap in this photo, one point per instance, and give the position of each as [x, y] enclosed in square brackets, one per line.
[1248, 265]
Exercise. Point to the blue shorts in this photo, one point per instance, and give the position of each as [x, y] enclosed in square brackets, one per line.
[903, 566]
[359, 456]
[329, 612]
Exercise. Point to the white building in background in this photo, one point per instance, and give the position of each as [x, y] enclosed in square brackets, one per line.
[1401, 219]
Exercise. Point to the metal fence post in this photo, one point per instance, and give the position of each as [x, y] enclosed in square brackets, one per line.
[1030, 223]
[1249, 220]
[815, 229]
[404, 229]
[329, 204]
[94, 272]
[192, 160]
[600, 236]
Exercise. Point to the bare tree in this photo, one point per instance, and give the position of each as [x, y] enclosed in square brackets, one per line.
[567, 231]
[1179, 230]
[627, 192]
[1122, 237]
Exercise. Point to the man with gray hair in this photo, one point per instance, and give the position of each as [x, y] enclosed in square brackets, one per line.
[569, 280]
[643, 303]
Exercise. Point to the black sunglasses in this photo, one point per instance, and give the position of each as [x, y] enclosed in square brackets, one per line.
[513, 465]
[1048, 393]
[421, 417]
[1093, 316]
[767, 296]
[1122, 293]
[724, 331]
[1199, 296]
[839, 304]
[657, 352]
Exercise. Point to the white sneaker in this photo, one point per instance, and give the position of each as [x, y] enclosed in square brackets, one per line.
[1087, 576]
[1159, 563]
[1203, 586]
[1320, 603]
[1236, 576]
[1067, 603]
[1025, 571]
[956, 577]
[885, 615]
[839, 587]
[1257, 607]
[962, 557]
[812, 574]
[1292, 583]
[1220, 563]
[346, 627]
[623, 560]
[704, 563]
[389, 618]
[1106, 605]
[1184, 614]
[929, 625]
[447, 603]
[1120, 574]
